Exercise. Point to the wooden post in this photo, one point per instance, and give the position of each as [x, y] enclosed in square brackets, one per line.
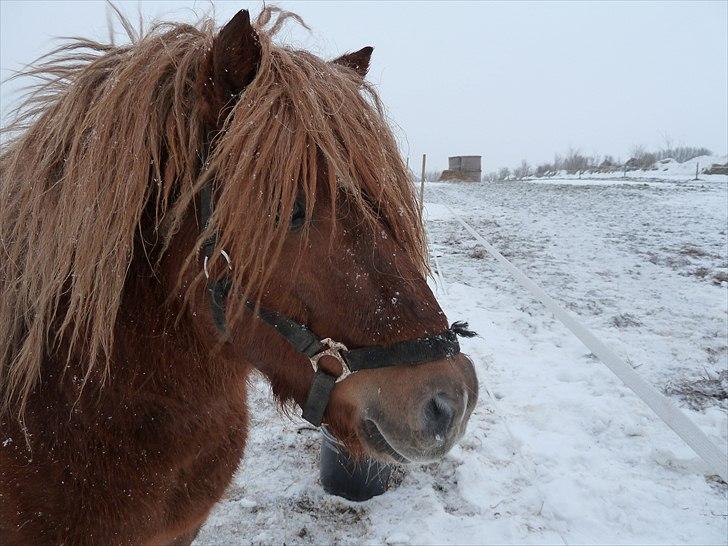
[422, 183]
[625, 172]
[697, 165]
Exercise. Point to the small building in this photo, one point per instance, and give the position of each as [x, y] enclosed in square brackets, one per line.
[463, 167]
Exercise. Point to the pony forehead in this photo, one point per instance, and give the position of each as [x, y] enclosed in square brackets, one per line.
[298, 106]
[316, 91]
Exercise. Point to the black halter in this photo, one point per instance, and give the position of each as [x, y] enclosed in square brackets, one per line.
[303, 340]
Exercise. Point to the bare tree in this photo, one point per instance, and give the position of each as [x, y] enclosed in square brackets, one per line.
[575, 161]
[522, 171]
[641, 158]
[545, 169]
[608, 164]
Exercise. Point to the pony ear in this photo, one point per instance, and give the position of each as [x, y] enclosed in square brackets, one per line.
[357, 61]
[230, 66]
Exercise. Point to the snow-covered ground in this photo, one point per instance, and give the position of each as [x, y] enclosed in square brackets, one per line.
[557, 450]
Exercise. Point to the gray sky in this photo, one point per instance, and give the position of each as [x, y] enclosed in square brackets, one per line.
[504, 80]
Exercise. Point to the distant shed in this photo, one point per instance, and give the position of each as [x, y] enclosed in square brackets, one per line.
[463, 167]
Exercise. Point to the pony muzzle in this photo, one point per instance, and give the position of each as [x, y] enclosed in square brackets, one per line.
[412, 413]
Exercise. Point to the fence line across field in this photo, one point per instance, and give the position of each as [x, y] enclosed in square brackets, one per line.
[672, 416]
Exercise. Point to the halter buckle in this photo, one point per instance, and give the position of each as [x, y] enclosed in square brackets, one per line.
[334, 349]
[224, 255]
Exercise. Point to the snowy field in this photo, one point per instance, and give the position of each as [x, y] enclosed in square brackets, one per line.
[557, 450]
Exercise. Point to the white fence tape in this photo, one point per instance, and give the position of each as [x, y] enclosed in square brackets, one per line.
[661, 405]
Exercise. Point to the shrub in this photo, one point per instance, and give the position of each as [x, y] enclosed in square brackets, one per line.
[576, 162]
[504, 174]
[544, 170]
[642, 159]
[522, 171]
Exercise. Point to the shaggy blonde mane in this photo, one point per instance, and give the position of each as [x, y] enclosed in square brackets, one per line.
[109, 129]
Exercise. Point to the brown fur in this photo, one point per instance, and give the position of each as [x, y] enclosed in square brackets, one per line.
[123, 411]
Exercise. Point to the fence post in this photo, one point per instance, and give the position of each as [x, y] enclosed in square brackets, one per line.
[697, 165]
[625, 172]
[422, 183]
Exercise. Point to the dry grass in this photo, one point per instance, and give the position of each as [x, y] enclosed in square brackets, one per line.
[698, 394]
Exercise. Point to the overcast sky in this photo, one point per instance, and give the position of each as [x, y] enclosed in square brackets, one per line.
[503, 80]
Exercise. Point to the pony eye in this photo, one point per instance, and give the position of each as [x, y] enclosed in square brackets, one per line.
[298, 216]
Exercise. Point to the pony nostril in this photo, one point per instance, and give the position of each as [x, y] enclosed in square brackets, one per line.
[439, 416]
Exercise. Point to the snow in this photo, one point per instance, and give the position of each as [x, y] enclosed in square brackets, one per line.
[558, 451]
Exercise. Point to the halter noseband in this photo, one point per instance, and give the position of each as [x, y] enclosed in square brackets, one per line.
[304, 341]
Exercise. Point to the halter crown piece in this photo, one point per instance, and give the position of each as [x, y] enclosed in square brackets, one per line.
[304, 341]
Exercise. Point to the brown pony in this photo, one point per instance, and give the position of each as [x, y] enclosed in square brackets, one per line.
[123, 405]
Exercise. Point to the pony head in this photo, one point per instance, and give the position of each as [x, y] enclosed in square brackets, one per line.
[317, 212]
[312, 216]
